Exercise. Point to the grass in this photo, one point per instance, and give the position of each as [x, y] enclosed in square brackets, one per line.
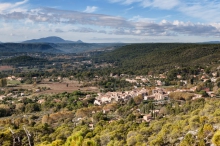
[13, 82]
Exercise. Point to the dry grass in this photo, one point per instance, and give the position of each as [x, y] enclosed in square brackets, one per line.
[57, 87]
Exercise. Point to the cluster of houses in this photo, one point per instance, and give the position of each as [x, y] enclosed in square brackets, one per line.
[109, 97]
[158, 94]
[14, 78]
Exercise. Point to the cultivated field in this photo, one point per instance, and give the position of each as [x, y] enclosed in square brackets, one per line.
[56, 87]
[5, 67]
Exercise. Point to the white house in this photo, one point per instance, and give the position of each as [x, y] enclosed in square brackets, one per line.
[96, 102]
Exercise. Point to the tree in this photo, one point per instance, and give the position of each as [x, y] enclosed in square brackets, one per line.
[138, 99]
[188, 140]
[158, 141]
[3, 82]
[34, 84]
[31, 107]
[88, 142]
[57, 142]
[204, 93]
[105, 138]
[191, 81]
[131, 138]
[216, 138]
[99, 116]
[20, 107]
[163, 111]
[5, 138]
[208, 128]
[218, 84]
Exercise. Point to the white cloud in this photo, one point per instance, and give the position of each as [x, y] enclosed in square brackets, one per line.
[128, 2]
[21, 3]
[161, 4]
[5, 7]
[208, 11]
[114, 1]
[114, 25]
[84, 30]
[138, 18]
[125, 2]
[202, 9]
[90, 9]
[128, 9]
[59, 30]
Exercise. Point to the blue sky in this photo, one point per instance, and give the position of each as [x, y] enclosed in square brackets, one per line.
[129, 21]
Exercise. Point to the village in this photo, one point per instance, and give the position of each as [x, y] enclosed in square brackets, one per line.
[150, 89]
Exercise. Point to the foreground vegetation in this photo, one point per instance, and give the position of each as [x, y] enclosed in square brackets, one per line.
[189, 123]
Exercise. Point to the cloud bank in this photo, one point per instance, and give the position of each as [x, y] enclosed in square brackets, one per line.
[202, 9]
[89, 22]
[10, 7]
[116, 25]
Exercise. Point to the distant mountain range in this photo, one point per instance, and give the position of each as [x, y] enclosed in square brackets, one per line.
[51, 39]
[55, 45]
[211, 42]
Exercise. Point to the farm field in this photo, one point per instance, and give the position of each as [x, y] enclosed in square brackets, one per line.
[5, 67]
[55, 87]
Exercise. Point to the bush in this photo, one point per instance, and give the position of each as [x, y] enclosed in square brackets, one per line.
[216, 138]
[181, 96]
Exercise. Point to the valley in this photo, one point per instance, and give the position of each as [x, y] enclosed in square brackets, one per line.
[110, 94]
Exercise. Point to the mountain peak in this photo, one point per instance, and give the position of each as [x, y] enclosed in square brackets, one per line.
[79, 41]
[51, 39]
[54, 38]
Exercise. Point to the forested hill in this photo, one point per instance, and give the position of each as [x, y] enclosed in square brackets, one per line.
[31, 48]
[56, 47]
[23, 60]
[141, 58]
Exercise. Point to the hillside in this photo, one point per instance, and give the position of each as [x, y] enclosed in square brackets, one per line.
[55, 47]
[30, 48]
[186, 124]
[84, 47]
[160, 56]
[23, 60]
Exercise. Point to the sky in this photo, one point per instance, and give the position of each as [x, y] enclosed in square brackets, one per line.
[108, 21]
